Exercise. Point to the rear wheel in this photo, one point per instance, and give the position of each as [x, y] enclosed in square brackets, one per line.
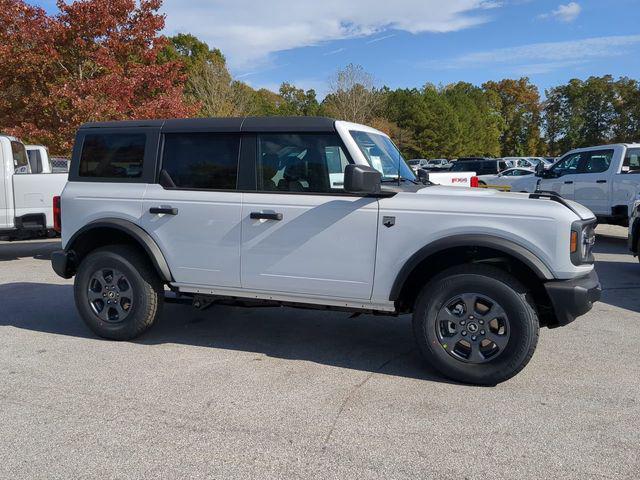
[117, 292]
[474, 324]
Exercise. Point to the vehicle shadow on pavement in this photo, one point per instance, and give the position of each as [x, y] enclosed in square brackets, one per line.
[367, 343]
[36, 249]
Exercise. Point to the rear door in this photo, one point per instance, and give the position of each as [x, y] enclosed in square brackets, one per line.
[193, 211]
[592, 185]
[301, 232]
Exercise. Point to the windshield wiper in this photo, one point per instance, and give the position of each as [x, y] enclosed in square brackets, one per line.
[396, 180]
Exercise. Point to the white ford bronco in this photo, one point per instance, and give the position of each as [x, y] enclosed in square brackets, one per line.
[316, 213]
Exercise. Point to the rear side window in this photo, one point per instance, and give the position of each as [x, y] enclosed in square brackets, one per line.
[20, 161]
[631, 161]
[112, 155]
[597, 162]
[200, 160]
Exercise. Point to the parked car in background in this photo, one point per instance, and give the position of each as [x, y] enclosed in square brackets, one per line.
[26, 198]
[481, 166]
[527, 162]
[417, 163]
[437, 164]
[507, 180]
[604, 179]
[261, 223]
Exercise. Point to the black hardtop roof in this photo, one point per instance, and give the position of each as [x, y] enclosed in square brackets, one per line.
[229, 124]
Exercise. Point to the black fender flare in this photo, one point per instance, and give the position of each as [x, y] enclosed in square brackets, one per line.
[137, 233]
[476, 240]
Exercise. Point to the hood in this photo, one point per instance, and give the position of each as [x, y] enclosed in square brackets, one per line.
[489, 193]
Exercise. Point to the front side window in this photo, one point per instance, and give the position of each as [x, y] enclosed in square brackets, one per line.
[20, 159]
[112, 155]
[567, 165]
[383, 155]
[200, 161]
[311, 163]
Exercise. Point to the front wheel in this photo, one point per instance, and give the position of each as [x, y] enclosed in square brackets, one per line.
[118, 293]
[474, 324]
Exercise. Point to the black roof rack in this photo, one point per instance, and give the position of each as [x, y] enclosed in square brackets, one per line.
[230, 124]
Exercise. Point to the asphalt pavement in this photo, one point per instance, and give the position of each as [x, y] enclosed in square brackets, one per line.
[284, 393]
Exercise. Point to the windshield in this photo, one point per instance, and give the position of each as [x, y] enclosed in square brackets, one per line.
[20, 160]
[383, 155]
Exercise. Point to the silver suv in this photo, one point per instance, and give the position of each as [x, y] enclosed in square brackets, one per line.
[316, 213]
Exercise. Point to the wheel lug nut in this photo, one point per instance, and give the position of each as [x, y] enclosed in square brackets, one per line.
[470, 317]
[481, 322]
[464, 333]
[463, 322]
[481, 332]
[474, 338]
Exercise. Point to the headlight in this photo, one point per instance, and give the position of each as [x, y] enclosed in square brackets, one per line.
[582, 240]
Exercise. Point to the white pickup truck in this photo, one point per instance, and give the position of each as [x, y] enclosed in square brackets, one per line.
[26, 198]
[604, 179]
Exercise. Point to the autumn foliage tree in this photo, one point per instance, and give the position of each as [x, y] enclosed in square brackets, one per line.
[93, 60]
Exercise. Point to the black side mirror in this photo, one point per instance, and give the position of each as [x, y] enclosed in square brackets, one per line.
[540, 169]
[423, 177]
[361, 179]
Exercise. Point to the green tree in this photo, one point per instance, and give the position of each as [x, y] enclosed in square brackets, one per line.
[297, 102]
[520, 109]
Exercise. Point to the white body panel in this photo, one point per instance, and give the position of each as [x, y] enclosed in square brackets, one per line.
[324, 244]
[435, 213]
[25, 193]
[33, 193]
[201, 243]
[86, 202]
[452, 179]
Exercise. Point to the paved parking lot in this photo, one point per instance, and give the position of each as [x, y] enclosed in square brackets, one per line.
[284, 393]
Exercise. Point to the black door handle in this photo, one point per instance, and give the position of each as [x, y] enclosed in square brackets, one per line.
[601, 181]
[265, 216]
[165, 210]
[568, 182]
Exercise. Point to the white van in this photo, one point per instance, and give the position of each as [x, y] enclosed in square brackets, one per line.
[26, 198]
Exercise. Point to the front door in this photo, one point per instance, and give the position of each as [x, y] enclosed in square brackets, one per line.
[301, 233]
[561, 177]
[194, 213]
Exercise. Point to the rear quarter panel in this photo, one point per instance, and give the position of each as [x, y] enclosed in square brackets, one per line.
[85, 202]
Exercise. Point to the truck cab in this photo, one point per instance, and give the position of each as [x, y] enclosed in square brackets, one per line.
[26, 197]
[603, 178]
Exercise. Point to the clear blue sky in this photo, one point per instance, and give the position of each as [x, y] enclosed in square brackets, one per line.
[407, 43]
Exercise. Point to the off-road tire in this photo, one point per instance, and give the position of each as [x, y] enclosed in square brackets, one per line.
[147, 291]
[482, 280]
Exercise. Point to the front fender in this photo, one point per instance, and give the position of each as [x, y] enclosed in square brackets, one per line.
[508, 247]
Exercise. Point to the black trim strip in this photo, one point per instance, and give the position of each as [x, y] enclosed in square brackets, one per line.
[497, 243]
[141, 236]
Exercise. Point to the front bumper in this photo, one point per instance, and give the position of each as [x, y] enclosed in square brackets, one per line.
[63, 264]
[572, 298]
